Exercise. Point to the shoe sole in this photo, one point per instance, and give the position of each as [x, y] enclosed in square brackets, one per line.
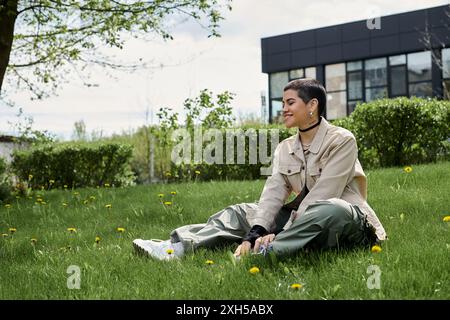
[142, 252]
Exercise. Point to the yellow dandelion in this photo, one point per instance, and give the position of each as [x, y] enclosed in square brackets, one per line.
[64, 204]
[161, 195]
[168, 203]
[407, 169]
[86, 201]
[4, 235]
[296, 286]
[97, 239]
[121, 230]
[33, 240]
[92, 198]
[169, 251]
[39, 199]
[51, 181]
[30, 176]
[168, 174]
[43, 203]
[209, 262]
[446, 219]
[197, 172]
[76, 193]
[254, 270]
[376, 249]
[108, 206]
[71, 229]
[7, 206]
[173, 193]
[12, 230]
[107, 185]
[65, 186]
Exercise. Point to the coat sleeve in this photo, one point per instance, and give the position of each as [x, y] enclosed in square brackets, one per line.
[276, 191]
[335, 173]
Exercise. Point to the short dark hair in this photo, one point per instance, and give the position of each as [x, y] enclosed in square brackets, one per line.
[308, 89]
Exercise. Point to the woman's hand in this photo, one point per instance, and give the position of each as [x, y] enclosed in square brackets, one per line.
[243, 249]
[263, 241]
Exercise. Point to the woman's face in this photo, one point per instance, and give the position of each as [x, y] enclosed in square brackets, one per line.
[295, 111]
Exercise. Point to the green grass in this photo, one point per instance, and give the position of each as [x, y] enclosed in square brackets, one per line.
[414, 261]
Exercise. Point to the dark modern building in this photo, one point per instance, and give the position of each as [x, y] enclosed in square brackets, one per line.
[404, 54]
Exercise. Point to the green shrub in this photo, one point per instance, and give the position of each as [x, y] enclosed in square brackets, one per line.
[74, 165]
[400, 131]
[5, 187]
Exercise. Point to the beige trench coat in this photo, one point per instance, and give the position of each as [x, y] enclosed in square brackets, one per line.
[330, 170]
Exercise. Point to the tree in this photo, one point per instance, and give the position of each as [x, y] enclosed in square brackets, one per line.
[53, 37]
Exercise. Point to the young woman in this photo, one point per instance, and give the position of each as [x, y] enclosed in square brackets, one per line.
[320, 164]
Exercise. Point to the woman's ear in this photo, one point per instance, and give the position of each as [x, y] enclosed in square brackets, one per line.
[313, 105]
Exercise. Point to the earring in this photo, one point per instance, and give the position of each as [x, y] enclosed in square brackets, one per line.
[310, 114]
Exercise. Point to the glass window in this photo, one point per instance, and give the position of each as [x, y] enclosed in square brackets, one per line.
[376, 93]
[353, 66]
[335, 77]
[277, 108]
[422, 89]
[398, 81]
[446, 63]
[355, 89]
[396, 60]
[376, 74]
[419, 66]
[277, 83]
[336, 105]
[310, 72]
[296, 74]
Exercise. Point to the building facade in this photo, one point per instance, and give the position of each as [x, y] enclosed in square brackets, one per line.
[404, 54]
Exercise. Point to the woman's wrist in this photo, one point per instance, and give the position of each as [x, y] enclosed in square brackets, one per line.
[255, 232]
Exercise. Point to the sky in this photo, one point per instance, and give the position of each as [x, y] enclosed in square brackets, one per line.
[119, 101]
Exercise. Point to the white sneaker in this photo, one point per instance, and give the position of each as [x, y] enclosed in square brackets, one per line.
[159, 249]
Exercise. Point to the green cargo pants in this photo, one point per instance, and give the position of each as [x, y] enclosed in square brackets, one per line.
[324, 225]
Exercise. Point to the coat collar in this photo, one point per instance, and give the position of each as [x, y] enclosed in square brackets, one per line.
[317, 141]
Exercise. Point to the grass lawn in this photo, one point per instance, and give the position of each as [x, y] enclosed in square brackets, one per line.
[414, 262]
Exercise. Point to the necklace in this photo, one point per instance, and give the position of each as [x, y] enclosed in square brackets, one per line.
[313, 126]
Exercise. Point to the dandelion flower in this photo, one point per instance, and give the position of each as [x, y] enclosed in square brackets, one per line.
[161, 195]
[197, 172]
[64, 204]
[65, 186]
[376, 249]
[107, 185]
[120, 229]
[7, 206]
[168, 203]
[408, 169]
[4, 235]
[173, 193]
[92, 198]
[209, 262]
[30, 176]
[12, 230]
[86, 201]
[446, 219]
[296, 286]
[71, 229]
[97, 239]
[51, 181]
[169, 251]
[108, 206]
[254, 270]
[39, 199]
[76, 193]
[33, 240]
[168, 174]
